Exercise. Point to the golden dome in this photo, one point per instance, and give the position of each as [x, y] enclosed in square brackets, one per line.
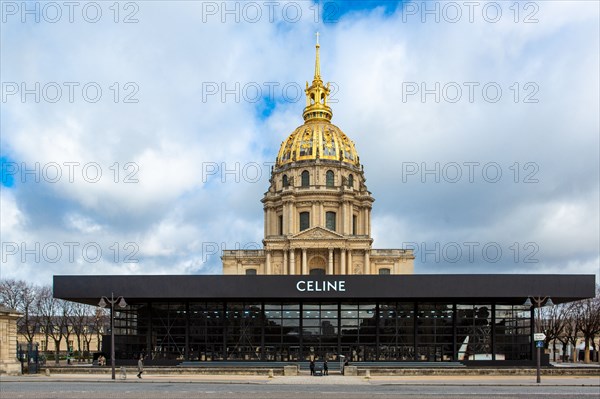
[318, 138]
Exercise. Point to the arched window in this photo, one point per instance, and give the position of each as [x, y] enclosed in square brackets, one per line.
[317, 272]
[286, 182]
[329, 178]
[384, 270]
[250, 272]
[354, 219]
[305, 179]
[350, 180]
[330, 220]
[304, 220]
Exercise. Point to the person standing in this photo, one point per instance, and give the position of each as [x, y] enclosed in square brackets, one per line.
[325, 368]
[312, 367]
[140, 366]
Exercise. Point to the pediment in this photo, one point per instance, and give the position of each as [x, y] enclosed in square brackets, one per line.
[317, 233]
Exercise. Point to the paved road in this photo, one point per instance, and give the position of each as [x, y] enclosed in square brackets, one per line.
[131, 389]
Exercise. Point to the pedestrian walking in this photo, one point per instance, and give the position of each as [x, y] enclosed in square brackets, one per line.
[140, 366]
[325, 368]
[312, 367]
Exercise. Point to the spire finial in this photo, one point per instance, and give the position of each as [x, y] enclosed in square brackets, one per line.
[317, 60]
[317, 94]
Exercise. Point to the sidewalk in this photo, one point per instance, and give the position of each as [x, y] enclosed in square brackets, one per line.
[325, 380]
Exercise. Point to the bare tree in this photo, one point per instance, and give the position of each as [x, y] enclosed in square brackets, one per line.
[54, 318]
[10, 294]
[100, 321]
[553, 322]
[22, 296]
[589, 321]
[80, 319]
[569, 332]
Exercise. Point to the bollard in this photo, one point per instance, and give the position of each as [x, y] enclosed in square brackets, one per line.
[368, 374]
[123, 373]
[47, 372]
[270, 373]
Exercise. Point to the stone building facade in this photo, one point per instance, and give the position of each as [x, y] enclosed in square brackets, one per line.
[8, 341]
[317, 210]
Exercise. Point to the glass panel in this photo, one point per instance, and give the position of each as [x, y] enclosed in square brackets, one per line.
[474, 332]
[513, 332]
[434, 332]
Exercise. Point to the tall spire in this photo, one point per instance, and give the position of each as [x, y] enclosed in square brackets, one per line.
[317, 60]
[317, 95]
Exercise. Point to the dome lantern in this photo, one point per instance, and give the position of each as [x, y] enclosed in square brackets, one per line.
[317, 95]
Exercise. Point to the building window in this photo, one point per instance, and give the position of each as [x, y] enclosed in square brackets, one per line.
[44, 346]
[330, 220]
[329, 178]
[351, 180]
[286, 182]
[305, 179]
[280, 220]
[304, 220]
[384, 270]
[250, 272]
[354, 225]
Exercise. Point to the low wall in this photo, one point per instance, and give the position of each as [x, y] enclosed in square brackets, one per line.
[479, 371]
[375, 371]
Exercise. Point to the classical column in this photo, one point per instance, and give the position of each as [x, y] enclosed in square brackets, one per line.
[342, 261]
[268, 270]
[285, 266]
[304, 263]
[342, 221]
[292, 262]
[321, 214]
[290, 226]
[314, 218]
[350, 270]
[368, 226]
[266, 223]
[349, 212]
[330, 266]
[367, 262]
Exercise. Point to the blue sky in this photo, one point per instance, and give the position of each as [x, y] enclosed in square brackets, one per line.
[164, 150]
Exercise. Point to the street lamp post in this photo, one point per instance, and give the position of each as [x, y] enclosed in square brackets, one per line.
[537, 303]
[104, 302]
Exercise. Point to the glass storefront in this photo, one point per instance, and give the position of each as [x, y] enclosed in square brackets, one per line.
[300, 331]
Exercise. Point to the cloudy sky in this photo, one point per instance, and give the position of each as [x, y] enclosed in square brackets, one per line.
[138, 138]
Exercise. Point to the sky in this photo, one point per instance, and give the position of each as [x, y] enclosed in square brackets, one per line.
[137, 137]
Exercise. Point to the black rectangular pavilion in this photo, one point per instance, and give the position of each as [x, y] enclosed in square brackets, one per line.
[392, 318]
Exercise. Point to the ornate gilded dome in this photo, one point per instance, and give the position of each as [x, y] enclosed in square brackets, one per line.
[318, 138]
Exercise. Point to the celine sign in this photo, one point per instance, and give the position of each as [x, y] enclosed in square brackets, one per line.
[321, 286]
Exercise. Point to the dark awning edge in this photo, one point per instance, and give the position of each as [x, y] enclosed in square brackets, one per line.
[505, 288]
